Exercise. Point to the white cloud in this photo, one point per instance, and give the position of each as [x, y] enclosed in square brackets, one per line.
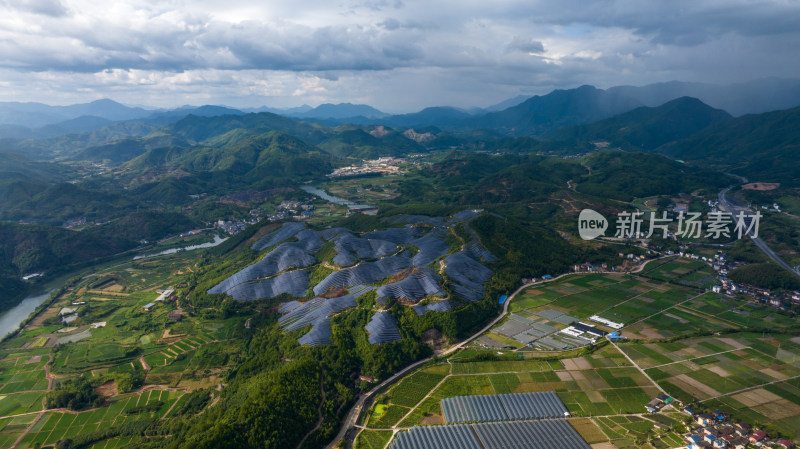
[396, 55]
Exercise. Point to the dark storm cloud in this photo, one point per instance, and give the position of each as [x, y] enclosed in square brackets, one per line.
[470, 51]
[526, 45]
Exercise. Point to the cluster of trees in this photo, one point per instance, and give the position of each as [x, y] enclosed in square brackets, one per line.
[74, 394]
[765, 275]
[130, 381]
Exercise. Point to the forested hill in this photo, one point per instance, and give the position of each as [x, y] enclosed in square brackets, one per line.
[645, 128]
[763, 147]
[541, 114]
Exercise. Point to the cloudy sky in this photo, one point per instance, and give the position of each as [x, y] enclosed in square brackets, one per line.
[397, 55]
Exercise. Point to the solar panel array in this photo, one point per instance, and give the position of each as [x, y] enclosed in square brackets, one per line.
[308, 240]
[315, 312]
[467, 275]
[432, 246]
[350, 248]
[464, 215]
[395, 235]
[558, 434]
[404, 219]
[278, 235]
[331, 233]
[503, 407]
[364, 273]
[479, 252]
[530, 435]
[382, 328]
[294, 283]
[441, 306]
[419, 284]
[359, 290]
[285, 256]
[437, 437]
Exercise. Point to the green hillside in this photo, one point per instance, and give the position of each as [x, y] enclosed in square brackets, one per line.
[763, 147]
[645, 128]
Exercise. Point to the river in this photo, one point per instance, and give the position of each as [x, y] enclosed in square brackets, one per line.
[217, 241]
[334, 199]
[9, 321]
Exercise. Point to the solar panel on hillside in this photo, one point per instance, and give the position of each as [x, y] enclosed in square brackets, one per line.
[364, 273]
[281, 258]
[419, 284]
[350, 248]
[315, 312]
[308, 240]
[464, 215]
[432, 246]
[278, 235]
[331, 233]
[478, 252]
[359, 290]
[441, 306]
[467, 275]
[403, 219]
[395, 235]
[382, 328]
[294, 283]
[319, 335]
[503, 407]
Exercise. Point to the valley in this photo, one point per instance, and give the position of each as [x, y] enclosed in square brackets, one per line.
[224, 278]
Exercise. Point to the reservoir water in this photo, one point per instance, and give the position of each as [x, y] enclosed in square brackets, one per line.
[333, 199]
[9, 321]
[217, 241]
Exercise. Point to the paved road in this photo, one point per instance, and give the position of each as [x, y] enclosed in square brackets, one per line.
[352, 417]
[734, 207]
[351, 420]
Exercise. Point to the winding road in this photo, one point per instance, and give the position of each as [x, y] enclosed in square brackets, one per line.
[734, 207]
[351, 421]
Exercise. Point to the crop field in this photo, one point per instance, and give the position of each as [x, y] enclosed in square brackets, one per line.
[55, 426]
[12, 428]
[685, 271]
[649, 307]
[752, 376]
[19, 403]
[602, 383]
[113, 334]
[624, 431]
[22, 374]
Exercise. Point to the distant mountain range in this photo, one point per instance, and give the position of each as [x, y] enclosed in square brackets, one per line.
[516, 116]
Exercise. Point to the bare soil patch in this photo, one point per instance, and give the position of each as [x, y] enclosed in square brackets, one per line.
[108, 389]
[761, 186]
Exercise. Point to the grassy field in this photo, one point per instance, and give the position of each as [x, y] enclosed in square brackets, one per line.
[370, 439]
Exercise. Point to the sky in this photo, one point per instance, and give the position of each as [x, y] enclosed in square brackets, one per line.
[396, 55]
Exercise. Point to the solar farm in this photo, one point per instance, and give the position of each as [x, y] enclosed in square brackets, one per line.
[503, 407]
[753, 376]
[380, 260]
[521, 435]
